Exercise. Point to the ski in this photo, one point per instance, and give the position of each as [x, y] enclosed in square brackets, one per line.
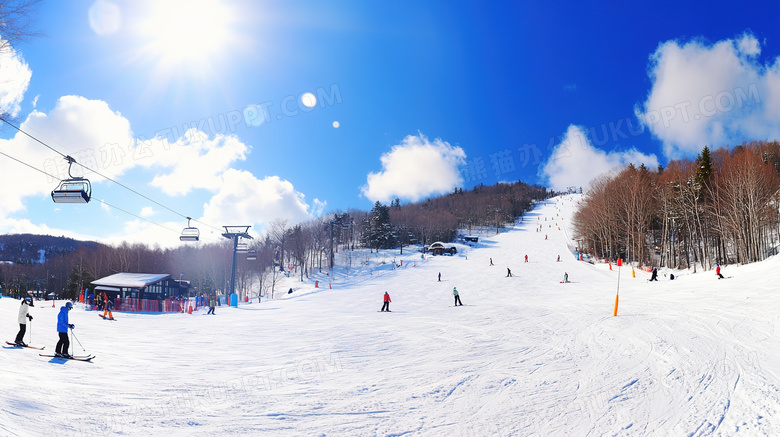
[28, 347]
[76, 358]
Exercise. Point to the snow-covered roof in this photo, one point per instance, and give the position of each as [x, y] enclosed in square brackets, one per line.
[131, 280]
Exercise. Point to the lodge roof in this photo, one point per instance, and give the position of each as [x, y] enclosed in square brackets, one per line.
[131, 280]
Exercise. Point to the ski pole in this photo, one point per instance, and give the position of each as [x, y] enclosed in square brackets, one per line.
[77, 340]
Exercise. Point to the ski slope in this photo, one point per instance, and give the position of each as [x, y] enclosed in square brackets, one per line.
[525, 355]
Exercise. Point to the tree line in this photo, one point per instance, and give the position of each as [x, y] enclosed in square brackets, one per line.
[296, 250]
[721, 207]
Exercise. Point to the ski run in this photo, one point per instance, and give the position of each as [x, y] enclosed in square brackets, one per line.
[525, 356]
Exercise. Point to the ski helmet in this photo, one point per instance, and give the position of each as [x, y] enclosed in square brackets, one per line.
[69, 305]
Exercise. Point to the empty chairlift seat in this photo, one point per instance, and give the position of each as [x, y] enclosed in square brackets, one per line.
[189, 233]
[75, 190]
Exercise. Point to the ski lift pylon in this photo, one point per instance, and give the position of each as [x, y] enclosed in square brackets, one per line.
[189, 233]
[72, 190]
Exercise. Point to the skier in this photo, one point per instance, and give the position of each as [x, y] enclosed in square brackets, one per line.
[24, 315]
[717, 271]
[108, 305]
[654, 276]
[491, 261]
[212, 305]
[545, 236]
[457, 297]
[559, 258]
[526, 258]
[63, 346]
[508, 272]
[439, 276]
[386, 304]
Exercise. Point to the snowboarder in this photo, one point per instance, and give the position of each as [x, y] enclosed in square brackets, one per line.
[508, 272]
[565, 277]
[386, 304]
[491, 261]
[654, 276]
[212, 305]
[457, 297]
[439, 276]
[526, 258]
[24, 315]
[717, 271]
[559, 258]
[63, 346]
[108, 306]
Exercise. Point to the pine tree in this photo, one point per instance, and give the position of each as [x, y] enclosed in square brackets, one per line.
[704, 170]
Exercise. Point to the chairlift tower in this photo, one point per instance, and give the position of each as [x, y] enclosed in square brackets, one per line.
[234, 233]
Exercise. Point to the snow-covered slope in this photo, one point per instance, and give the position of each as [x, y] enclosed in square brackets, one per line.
[525, 355]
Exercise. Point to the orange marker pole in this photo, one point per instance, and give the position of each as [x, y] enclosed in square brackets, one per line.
[616, 305]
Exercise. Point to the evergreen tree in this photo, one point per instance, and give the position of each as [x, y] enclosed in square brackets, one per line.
[704, 169]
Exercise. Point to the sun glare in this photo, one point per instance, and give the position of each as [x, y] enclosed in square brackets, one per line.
[187, 30]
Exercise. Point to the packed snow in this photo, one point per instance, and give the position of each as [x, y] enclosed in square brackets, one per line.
[525, 355]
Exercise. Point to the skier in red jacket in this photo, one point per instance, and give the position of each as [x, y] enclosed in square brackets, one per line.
[386, 305]
[717, 271]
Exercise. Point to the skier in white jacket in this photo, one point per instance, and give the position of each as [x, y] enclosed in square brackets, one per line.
[24, 315]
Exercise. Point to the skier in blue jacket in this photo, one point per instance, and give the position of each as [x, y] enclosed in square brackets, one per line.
[63, 346]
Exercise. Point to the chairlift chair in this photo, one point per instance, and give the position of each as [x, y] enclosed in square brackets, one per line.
[251, 255]
[72, 190]
[189, 233]
[242, 248]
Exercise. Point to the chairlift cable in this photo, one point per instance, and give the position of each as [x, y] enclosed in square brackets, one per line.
[99, 200]
[100, 174]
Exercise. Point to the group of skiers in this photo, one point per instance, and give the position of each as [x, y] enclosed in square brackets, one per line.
[63, 345]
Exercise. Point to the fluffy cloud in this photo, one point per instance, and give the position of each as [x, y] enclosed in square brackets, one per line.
[415, 169]
[14, 78]
[245, 200]
[102, 140]
[575, 162]
[711, 94]
[196, 160]
[76, 126]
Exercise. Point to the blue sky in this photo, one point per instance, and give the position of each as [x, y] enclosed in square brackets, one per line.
[201, 106]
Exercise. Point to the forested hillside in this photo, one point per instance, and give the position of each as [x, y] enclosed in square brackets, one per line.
[720, 208]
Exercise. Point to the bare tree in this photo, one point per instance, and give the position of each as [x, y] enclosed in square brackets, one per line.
[16, 17]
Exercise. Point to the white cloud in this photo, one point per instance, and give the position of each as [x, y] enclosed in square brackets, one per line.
[15, 76]
[245, 200]
[101, 139]
[575, 162]
[197, 161]
[77, 127]
[711, 94]
[415, 169]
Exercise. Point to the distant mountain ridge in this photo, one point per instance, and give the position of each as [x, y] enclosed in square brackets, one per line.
[35, 249]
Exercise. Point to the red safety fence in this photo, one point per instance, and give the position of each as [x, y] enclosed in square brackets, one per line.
[150, 305]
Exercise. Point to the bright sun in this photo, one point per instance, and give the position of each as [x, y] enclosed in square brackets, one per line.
[187, 30]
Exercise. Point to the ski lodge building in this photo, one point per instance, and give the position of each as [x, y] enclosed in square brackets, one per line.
[143, 291]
